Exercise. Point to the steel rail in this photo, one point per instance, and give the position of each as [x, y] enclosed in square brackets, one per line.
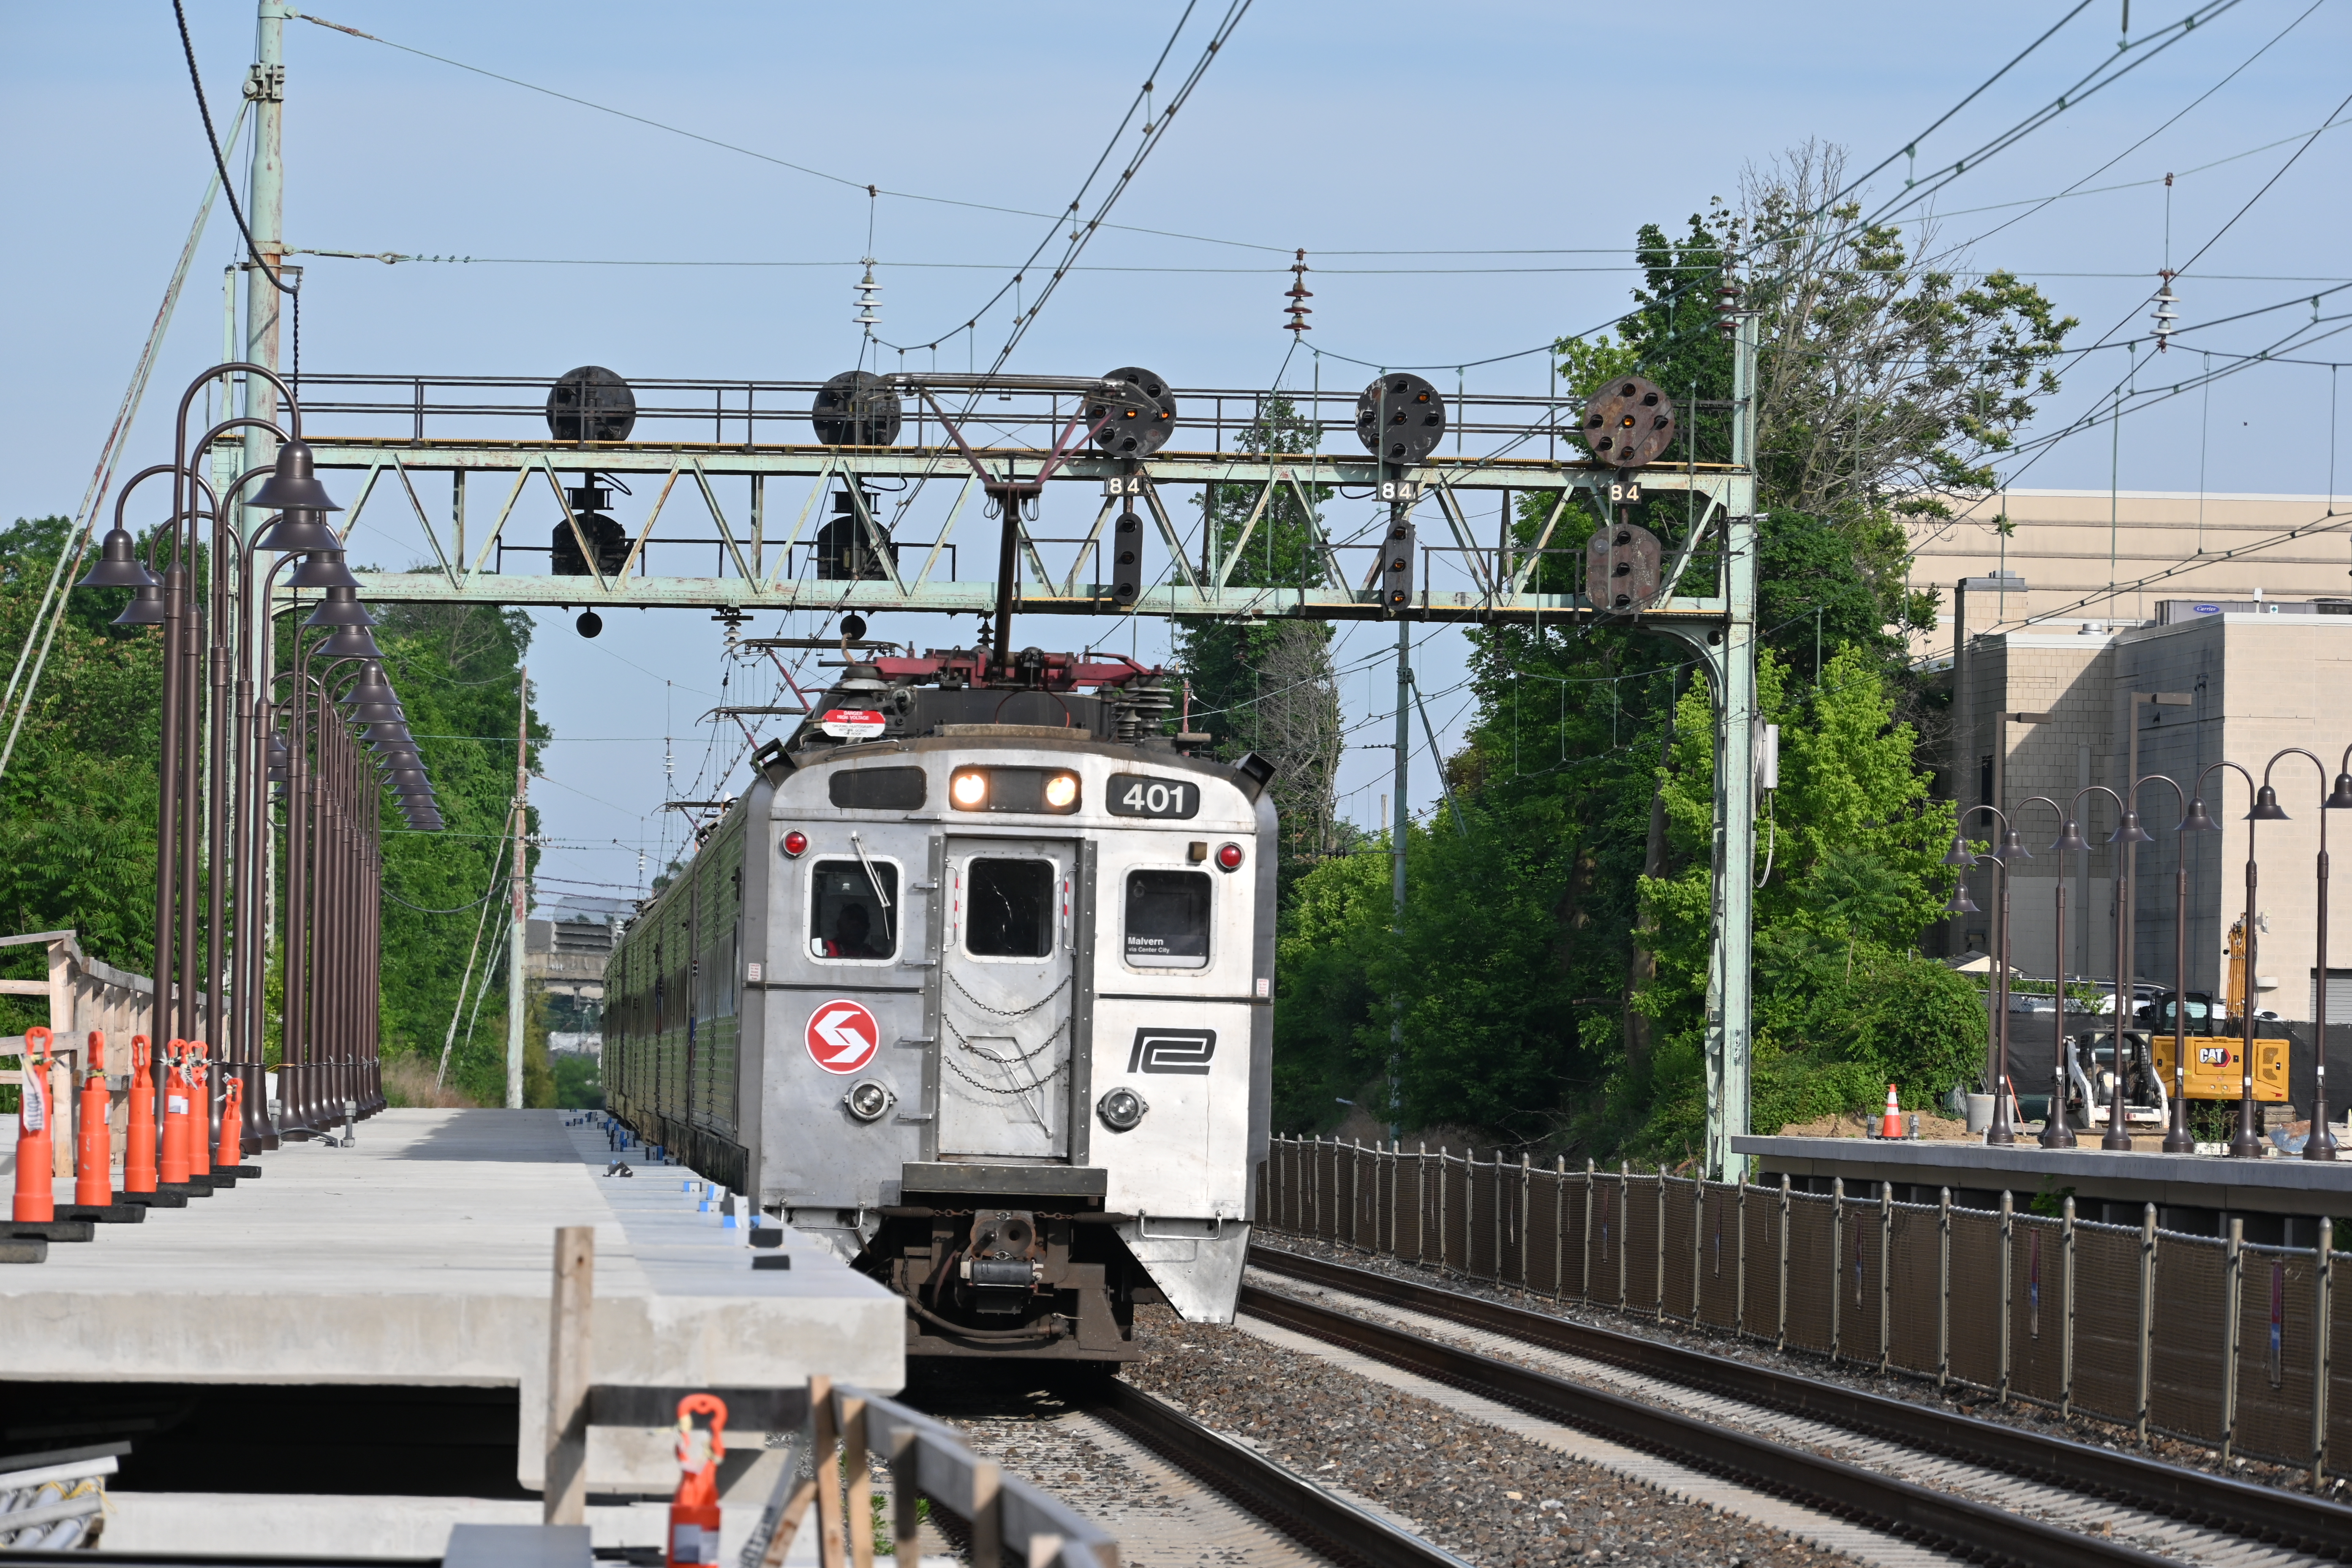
[2260, 1514]
[1290, 1503]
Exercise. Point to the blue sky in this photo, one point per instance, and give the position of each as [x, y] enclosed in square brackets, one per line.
[1373, 127]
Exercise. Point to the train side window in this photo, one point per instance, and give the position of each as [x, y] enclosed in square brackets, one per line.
[1167, 920]
[846, 919]
[1010, 909]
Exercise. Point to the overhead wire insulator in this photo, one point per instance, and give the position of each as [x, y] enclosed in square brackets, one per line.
[870, 304]
[2166, 315]
[1298, 295]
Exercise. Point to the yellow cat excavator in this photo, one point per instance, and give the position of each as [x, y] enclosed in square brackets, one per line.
[2215, 1045]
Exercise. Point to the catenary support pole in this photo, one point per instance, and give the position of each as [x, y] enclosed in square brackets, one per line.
[1727, 1026]
[519, 882]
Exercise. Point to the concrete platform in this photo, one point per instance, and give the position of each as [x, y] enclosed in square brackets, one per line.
[423, 1257]
[2193, 1193]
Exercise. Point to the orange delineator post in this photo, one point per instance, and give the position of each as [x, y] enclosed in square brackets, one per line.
[200, 1130]
[1890, 1125]
[93, 1182]
[232, 1152]
[175, 1115]
[139, 1120]
[694, 1507]
[36, 1198]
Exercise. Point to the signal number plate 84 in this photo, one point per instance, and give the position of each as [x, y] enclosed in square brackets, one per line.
[1137, 794]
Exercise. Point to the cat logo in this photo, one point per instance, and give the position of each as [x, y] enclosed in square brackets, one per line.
[1172, 1050]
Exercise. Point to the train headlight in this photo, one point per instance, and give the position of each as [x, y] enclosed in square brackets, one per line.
[969, 788]
[1229, 857]
[1061, 790]
[1121, 1109]
[795, 843]
[867, 1099]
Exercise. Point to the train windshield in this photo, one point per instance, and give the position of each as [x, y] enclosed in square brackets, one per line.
[1167, 920]
[1011, 910]
[846, 919]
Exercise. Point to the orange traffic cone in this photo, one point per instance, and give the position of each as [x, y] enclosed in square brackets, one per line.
[232, 1150]
[139, 1120]
[36, 1198]
[1890, 1125]
[93, 1182]
[175, 1116]
[694, 1508]
[200, 1104]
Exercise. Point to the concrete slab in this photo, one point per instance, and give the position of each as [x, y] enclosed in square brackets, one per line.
[423, 1256]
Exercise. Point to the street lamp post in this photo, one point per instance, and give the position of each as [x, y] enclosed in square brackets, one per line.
[2317, 1144]
[1999, 1132]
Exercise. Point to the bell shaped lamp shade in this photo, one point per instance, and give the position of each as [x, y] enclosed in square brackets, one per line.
[322, 569]
[349, 642]
[1959, 904]
[2266, 807]
[145, 609]
[2342, 799]
[371, 687]
[117, 564]
[2197, 821]
[341, 607]
[2012, 847]
[2131, 832]
[294, 485]
[2070, 840]
[377, 714]
[1958, 855]
[298, 531]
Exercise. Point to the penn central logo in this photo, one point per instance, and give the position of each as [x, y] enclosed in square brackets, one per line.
[1172, 1050]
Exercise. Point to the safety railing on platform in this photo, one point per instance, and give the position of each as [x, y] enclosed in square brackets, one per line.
[2214, 1341]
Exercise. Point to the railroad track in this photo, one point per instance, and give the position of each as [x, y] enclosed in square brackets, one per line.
[1982, 1473]
[1171, 1489]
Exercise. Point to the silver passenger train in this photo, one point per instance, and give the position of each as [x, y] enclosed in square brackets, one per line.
[976, 982]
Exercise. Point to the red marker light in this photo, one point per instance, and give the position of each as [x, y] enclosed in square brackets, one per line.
[795, 843]
[1229, 857]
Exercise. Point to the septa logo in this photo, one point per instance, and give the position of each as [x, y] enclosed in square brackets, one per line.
[1172, 1050]
[843, 1036]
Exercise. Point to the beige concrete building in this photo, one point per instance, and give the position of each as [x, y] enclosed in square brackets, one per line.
[2051, 709]
[2072, 547]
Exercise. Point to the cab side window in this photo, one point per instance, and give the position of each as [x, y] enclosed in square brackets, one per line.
[1167, 920]
[852, 911]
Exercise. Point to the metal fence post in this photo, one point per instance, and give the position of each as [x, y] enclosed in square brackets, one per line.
[1584, 1263]
[1421, 1202]
[1885, 1273]
[2233, 1289]
[1625, 1227]
[1526, 1212]
[1662, 1244]
[1355, 1185]
[2147, 1314]
[1781, 1314]
[1441, 1208]
[2322, 1283]
[1837, 1267]
[2007, 1215]
[2066, 1345]
[1314, 1188]
[1499, 1215]
[1944, 1288]
[1698, 1232]
[1559, 1222]
[1739, 1260]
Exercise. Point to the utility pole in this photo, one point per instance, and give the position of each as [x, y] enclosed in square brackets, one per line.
[265, 88]
[519, 884]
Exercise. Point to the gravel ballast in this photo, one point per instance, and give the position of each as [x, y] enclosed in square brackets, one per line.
[1484, 1494]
